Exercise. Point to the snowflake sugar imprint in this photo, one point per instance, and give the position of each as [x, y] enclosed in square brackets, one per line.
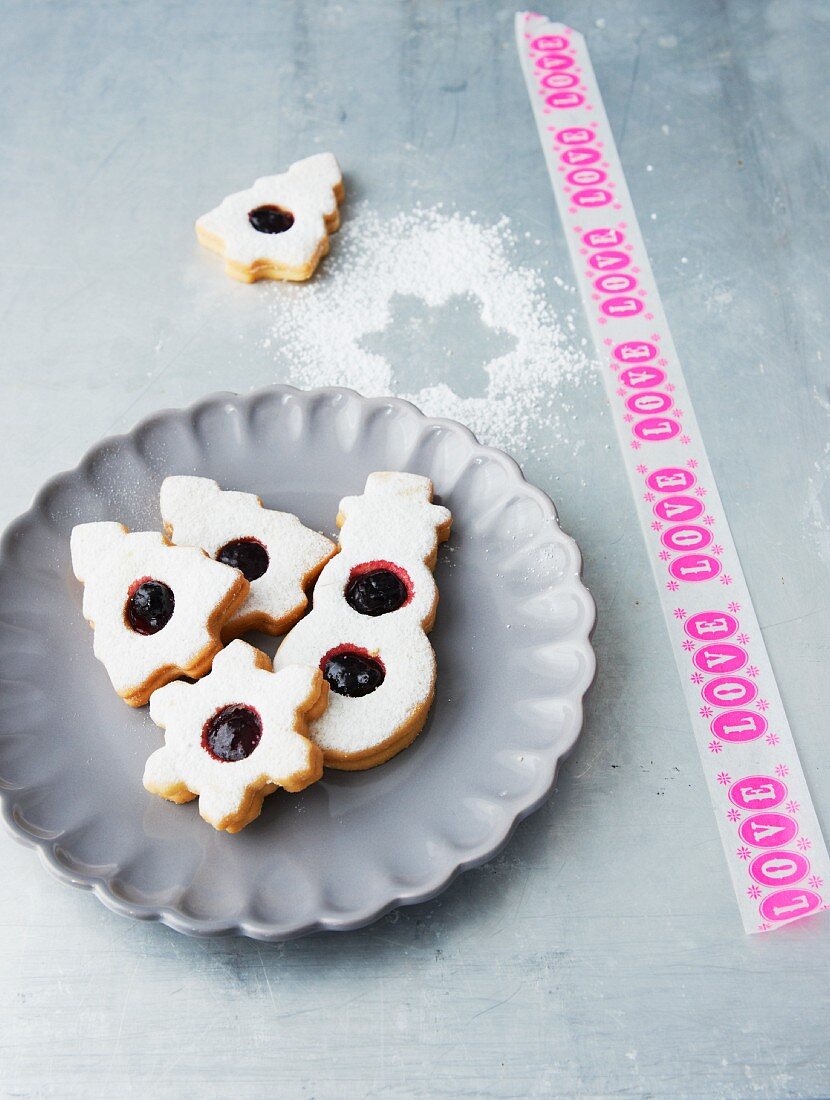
[344, 327]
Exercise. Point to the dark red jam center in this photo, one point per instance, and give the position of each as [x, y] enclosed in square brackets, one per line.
[249, 555]
[270, 219]
[376, 593]
[150, 607]
[352, 674]
[232, 733]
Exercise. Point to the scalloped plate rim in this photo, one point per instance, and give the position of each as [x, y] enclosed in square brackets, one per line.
[175, 919]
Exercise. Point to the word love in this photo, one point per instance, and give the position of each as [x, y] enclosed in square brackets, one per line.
[775, 866]
[772, 842]
[683, 525]
[722, 658]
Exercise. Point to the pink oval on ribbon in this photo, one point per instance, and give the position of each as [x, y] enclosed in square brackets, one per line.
[577, 156]
[768, 830]
[669, 479]
[617, 283]
[720, 657]
[641, 377]
[711, 626]
[622, 307]
[586, 177]
[779, 868]
[561, 80]
[554, 62]
[656, 429]
[591, 197]
[634, 351]
[603, 238]
[757, 792]
[549, 42]
[678, 509]
[789, 904]
[729, 691]
[649, 402]
[564, 101]
[736, 726]
[609, 260]
[686, 536]
[695, 568]
[575, 135]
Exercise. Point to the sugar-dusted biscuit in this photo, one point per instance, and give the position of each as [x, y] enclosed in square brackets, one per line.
[373, 604]
[279, 228]
[237, 735]
[278, 555]
[157, 609]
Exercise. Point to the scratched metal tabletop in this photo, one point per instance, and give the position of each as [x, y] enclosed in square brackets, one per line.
[601, 953]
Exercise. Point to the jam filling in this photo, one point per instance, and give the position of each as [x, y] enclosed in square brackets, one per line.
[150, 606]
[270, 219]
[376, 591]
[232, 733]
[248, 555]
[351, 671]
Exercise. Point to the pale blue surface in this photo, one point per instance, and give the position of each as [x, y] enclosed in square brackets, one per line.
[602, 954]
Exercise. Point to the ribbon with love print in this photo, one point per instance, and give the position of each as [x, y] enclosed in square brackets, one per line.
[771, 837]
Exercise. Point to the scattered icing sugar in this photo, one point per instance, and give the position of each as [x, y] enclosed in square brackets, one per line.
[393, 520]
[327, 330]
[108, 559]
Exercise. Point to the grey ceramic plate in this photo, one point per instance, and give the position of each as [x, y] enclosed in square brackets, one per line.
[514, 660]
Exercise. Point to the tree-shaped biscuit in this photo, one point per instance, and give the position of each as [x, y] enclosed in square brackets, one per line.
[278, 555]
[157, 609]
[279, 228]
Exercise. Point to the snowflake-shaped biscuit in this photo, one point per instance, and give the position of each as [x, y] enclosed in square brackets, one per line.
[157, 609]
[279, 228]
[278, 555]
[237, 735]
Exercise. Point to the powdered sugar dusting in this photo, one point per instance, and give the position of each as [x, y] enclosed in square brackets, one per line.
[436, 257]
[197, 512]
[394, 521]
[108, 559]
[231, 793]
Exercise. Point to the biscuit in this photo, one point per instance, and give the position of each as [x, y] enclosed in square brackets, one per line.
[372, 606]
[157, 610]
[279, 228]
[236, 736]
[278, 555]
